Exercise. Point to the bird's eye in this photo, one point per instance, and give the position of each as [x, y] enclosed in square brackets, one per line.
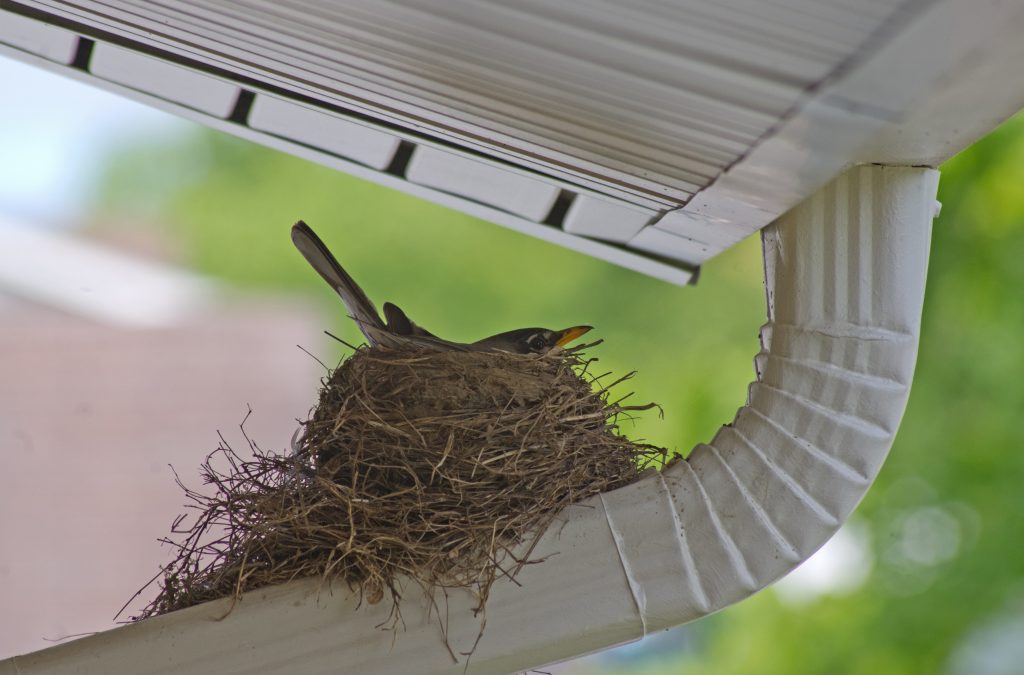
[537, 342]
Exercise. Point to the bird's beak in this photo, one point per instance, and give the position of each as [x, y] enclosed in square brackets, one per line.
[569, 334]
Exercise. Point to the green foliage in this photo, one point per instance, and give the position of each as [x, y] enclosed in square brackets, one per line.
[958, 456]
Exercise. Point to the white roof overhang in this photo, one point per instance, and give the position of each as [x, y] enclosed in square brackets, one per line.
[903, 84]
[651, 136]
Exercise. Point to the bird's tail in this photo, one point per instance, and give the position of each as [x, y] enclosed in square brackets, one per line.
[358, 305]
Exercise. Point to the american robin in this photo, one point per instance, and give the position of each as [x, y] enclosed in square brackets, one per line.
[399, 330]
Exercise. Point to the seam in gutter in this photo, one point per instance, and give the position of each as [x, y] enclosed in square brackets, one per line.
[739, 563]
[700, 595]
[848, 331]
[635, 586]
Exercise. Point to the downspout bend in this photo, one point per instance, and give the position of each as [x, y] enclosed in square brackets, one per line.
[845, 277]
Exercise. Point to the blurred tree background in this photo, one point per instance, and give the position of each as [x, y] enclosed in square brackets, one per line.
[942, 587]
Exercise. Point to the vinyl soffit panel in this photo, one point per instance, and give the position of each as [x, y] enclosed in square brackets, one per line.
[351, 146]
[737, 97]
[655, 101]
[917, 56]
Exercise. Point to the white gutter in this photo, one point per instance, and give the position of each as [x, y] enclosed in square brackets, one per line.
[845, 275]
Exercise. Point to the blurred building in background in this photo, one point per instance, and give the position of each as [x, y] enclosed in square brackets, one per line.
[116, 368]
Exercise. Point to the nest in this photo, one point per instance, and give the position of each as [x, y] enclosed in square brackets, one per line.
[435, 466]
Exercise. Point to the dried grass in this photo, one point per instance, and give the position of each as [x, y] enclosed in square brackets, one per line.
[431, 465]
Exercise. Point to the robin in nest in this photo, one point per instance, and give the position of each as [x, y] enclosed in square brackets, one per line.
[399, 330]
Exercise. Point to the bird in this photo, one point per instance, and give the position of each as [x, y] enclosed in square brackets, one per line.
[397, 330]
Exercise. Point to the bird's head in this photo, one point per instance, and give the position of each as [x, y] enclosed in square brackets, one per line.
[533, 340]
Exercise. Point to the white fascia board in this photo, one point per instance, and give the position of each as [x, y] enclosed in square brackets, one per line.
[845, 275]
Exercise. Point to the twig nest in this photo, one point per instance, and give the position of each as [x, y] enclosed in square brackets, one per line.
[434, 465]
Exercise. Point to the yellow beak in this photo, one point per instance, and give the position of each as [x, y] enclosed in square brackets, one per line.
[570, 334]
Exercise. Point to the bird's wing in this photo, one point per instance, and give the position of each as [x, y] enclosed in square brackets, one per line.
[399, 322]
[396, 320]
[358, 305]
[509, 341]
[404, 332]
